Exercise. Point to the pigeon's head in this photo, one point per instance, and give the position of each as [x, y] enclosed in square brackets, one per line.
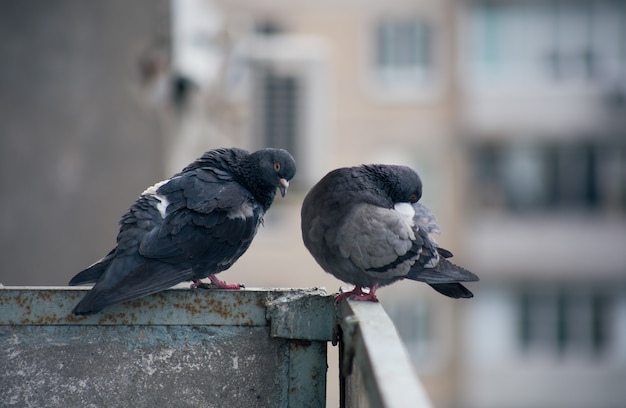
[402, 184]
[275, 167]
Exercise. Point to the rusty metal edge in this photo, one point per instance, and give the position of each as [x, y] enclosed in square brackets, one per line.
[47, 305]
[371, 341]
[302, 315]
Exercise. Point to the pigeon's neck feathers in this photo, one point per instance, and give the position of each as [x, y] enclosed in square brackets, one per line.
[249, 174]
[222, 159]
[237, 164]
[398, 183]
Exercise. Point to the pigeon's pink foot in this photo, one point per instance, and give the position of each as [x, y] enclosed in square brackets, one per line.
[223, 285]
[215, 284]
[358, 294]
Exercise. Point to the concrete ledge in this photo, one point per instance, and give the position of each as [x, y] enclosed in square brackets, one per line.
[375, 366]
[177, 306]
[200, 348]
[176, 348]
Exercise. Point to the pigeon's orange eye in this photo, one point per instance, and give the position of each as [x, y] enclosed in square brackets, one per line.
[276, 166]
[413, 198]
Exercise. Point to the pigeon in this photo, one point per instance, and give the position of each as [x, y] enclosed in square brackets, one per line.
[189, 227]
[364, 225]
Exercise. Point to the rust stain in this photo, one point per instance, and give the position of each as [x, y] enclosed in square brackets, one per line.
[74, 319]
[186, 306]
[297, 344]
[260, 302]
[118, 318]
[41, 320]
[20, 301]
[237, 307]
[229, 309]
[219, 308]
[45, 296]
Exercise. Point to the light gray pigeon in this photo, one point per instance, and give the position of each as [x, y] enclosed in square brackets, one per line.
[191, 226]
[364, 225]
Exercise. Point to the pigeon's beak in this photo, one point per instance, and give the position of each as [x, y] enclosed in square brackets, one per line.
[284, 185]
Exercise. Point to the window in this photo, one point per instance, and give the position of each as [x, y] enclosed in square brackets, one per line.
[404, 57]
[278, 109]
[544, 176]
[562, 320]
[289, 101]
[561, 41]
[403, 50]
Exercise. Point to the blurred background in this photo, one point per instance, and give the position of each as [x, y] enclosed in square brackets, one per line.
[512, 111]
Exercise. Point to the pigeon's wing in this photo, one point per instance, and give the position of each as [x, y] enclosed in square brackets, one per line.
[190, 227]
[443, 276]
[380, 241]
[443, 271]
[124, 273]
[211, 221]
[385, 245]
[141, 218]
[129, 277]
[425, 219]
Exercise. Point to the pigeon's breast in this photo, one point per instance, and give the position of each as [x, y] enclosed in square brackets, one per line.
[406, 210]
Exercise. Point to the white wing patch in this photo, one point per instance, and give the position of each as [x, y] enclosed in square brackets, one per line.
[163, 201]
[406, 210]
[244, 211]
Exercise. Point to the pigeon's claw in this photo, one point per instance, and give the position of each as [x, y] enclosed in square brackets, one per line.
[223, 285]
[216, 284]
[358, 294]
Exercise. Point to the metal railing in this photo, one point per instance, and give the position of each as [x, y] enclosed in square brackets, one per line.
[180, 347]
[375, 369]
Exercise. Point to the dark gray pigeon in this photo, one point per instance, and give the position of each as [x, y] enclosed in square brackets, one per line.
[364, 225]
[194, 225]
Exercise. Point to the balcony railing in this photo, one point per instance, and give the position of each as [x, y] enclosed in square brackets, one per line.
[180, 347]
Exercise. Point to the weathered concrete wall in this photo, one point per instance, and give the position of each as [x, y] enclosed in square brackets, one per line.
[142, 366]
[198, 348]
[177, 348]
[78, 141]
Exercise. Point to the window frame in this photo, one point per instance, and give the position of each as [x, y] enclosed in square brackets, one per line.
[565, 320]
[405, 84]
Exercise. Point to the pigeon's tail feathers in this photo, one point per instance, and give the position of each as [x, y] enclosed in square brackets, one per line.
[452, 290]
[89, 275]
[445, 277]
[444, 272]
[87, 306]
[444, 252]
[147, 278]
[93, 273]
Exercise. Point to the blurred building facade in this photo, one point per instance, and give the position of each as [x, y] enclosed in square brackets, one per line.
[544, 125]
[78, 138]
[512, 111]
[543, 120]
